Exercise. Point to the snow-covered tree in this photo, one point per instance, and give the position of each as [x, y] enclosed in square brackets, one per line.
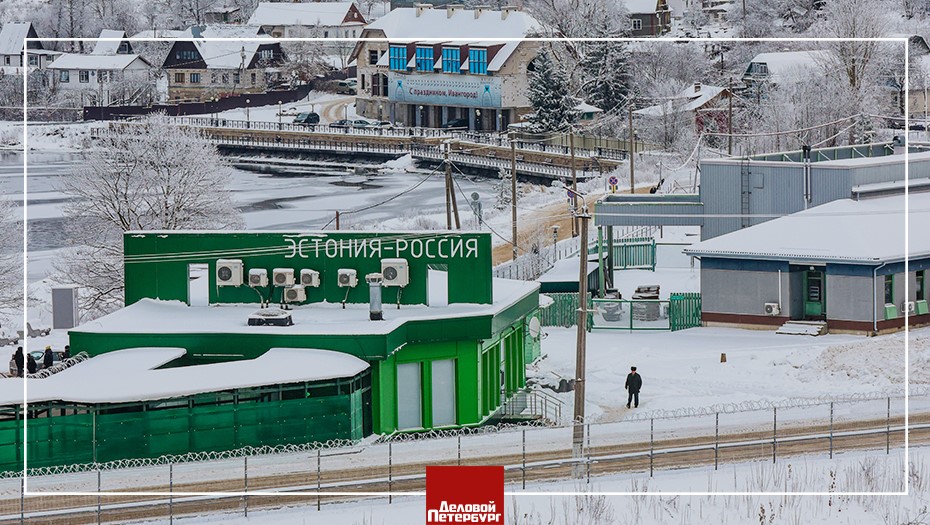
[304, 60]
[553, 104]
[11, 258]
[768, 18]
[149, 175]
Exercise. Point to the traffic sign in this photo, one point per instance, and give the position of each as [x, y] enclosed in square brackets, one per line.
[613, 180]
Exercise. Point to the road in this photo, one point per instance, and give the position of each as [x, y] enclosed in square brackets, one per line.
[333, 110]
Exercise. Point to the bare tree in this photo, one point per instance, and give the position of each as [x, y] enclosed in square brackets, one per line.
[11, 257]
[149, 175]
[304, 59]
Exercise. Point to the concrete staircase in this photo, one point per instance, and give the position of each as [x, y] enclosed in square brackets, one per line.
[814, 328]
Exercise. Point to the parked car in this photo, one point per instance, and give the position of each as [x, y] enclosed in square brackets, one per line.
[362, 123]
[455, 123]
[346, 87]
[308, 119]
[385, 124]
[343, 123]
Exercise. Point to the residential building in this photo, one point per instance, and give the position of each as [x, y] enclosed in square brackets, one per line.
[103, 80]
[223, 14]
[842, 263]
[420, 77]
[649, 17]
[702, 104]
[200, 69]
[323, 19]
[12, 37]
[783, 67]
[111, 46]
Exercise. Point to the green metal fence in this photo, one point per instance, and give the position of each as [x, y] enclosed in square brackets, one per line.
[563, 311]
[684, 310]
[680, 311]
[634, 253]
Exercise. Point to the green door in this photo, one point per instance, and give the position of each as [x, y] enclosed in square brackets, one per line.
[814, 294]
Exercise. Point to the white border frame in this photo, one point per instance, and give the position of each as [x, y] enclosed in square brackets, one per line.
[899, 40]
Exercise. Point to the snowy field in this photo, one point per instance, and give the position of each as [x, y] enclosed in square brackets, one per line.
[861, 472]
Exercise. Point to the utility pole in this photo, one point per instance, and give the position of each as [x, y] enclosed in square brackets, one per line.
[337, 219]
[571, 146]
[448, 187]
[582, 329]
[730, 117]
[632, 146]
[513, 192]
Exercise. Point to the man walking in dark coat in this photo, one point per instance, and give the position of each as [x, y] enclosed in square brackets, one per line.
[20, 360]
[31, 364]
[48, 359]
[633, 383]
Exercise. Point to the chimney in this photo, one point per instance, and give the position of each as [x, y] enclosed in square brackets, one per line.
[480, 9]
[506, 10]
[451, 9]
[697, 87]
[375, 310]
[422, 7]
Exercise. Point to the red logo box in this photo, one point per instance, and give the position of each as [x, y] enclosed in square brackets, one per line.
[464, 495]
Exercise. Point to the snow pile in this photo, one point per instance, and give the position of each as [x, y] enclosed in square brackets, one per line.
[405, 163]
[878, 361]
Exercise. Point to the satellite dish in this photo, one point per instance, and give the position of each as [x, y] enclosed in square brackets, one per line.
[475, 196]
[534, 327]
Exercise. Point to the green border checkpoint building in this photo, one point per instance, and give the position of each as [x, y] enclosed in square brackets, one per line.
[183, 367]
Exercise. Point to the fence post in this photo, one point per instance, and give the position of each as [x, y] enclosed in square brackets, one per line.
[716, 438]
[22, 499]
[170, 492]
[774, 431]
[831, 429]
[318, 479]
[459, 439]
[390, 472]
[888, 428]
[588, 450]
[98, 495]
[245, 464]
[524, 459]
[651, 443]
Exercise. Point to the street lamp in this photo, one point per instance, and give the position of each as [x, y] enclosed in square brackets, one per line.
[279, 114]
[380, 111]
[247, 119]
[420, 109]
[477, 120]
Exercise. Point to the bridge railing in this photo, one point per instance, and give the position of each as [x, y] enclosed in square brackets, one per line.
[503, 141]
[373, 131]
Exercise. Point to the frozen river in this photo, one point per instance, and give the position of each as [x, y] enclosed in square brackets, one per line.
[303, 197]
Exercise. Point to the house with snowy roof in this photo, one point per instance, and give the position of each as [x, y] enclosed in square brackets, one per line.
[12, 39]
[701, 103]
[841, 263]
[323, 19]
[200, 69]
[648, 17]
[223, 14]
[784, 67]
[112, 42]
[103, 79]
[442, 66]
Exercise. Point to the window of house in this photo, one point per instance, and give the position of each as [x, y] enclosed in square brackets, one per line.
[451, 62]
[6, 60]
[363, 81]
[103, 77]
[225, 78]
[195, 78]
[213, 77]
[636, 24]
[921, 285]
[64, 76]
[33, 60]
[179, 78]
[425, 59]
[478, 61]
[373, 57]
[254, 79]
[236, 77]
[443, 391]
[266, 54]
[325, 34]
[186, 54]
[84, 76]
[409, 396]
[123, 48]
[398, 58]
[889, 289]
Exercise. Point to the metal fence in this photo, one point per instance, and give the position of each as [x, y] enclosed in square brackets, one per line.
[369, 131]
[680, 311]
[640, 442]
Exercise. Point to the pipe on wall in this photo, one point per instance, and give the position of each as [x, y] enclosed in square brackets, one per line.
[875, 297]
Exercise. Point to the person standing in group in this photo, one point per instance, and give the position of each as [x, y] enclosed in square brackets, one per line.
[31, 365]
[48, 358]
[67, 353]
[20, 360]
[634, 382]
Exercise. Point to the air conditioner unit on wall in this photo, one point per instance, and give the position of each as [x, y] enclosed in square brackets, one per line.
[772, 309]
[396, 272]
[310, 278]
[228, 272]
[258, 277]
[282, 276]
[295, 294]
[909, 307]
[347, 278]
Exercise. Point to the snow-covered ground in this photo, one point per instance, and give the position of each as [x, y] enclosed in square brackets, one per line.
[858, 471]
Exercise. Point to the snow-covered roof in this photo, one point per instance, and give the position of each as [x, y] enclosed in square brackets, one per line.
[689, 99]
[301, 14]
[11, 37]
[220, 54]
[129, 375]
[436, 24]
[639, 7]
[108, 47]
[584, 107]
[107, 62]
[565, 271]
[161, 33]
[868, 231]
[789, 66]
[153, 316]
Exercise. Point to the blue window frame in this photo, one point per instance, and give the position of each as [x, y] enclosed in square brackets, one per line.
[478, 61]
[451, 63]
[398, 58]
[425, 60]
